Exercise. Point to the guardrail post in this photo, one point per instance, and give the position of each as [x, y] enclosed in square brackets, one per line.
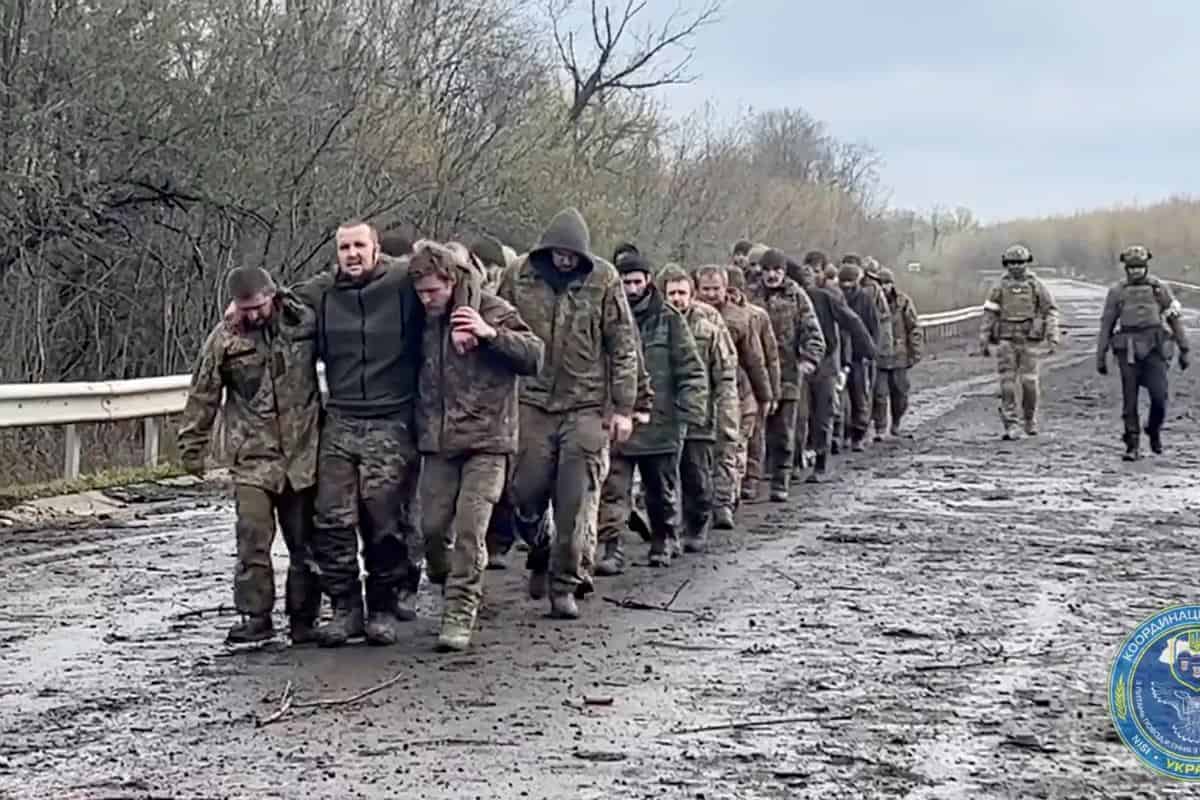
[71, 461]
[150, 430]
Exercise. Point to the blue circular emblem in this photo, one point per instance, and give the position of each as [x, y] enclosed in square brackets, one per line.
[1154, 692]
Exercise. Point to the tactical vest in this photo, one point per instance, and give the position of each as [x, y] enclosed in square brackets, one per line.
[1018, 301]
[1139, 307]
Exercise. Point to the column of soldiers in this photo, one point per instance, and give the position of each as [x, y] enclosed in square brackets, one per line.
[476, 398]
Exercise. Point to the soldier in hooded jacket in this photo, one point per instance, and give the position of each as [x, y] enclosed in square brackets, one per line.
[1018, 316]
[754, 386]
[702, 442]
[584, 396]
[1142, 324]
[801, 348]
[891, 377]
[680, 392]
[266, 366]
[466, 420]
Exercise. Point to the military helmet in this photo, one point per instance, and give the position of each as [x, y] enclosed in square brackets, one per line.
[870, 267]
[886, 276]
[1136, 256]
[1016, 254]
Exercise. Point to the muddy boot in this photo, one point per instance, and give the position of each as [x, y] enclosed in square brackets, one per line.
[879, 437]
[539, 584]
[695, 541]
[612, 558]
[897, 431]
[1155, 441]
[856, 443]
[750, 490]
[660, 553]
[382, 628]
[779, 489]
[301, 631]
[1010, 431]
[252, 628]
[835, 447]
[347, 622]
[455, 636]
[497, 560]
[1031, 427]
[563, 606]
[1132, 447]
[406, 605]
[819, 469]
[723, 518]
[584, 588]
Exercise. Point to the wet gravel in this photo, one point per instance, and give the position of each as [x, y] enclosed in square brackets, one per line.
[936, 623]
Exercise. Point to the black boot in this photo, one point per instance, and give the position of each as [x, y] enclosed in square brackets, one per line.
[1155, 441]
[347, 622]
[1132, 447]
[820, 469]
[252, 628]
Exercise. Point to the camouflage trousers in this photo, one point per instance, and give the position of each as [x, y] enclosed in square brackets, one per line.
[258, 512]
[367, 474]
[696, 484]
[732, 461]
[562, 457]
[756, 454]
[890, 394]
[781, 443]
[458, 494]
[858, 390]
[660, 484]
[1017, 364]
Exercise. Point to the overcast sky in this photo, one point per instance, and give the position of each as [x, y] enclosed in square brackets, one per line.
[1010, 107]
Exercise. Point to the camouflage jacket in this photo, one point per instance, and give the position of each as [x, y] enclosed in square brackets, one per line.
[1158, 327]
[1020, 309]
[885, 342]
[797, 332]
[271, 404]
[677, 375]
[467, 403]
[715, 346]
[754, 381]
[760, 327]
[908, 339]
[585, 322]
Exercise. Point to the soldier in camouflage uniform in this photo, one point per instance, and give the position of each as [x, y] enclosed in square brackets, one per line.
[369, 331]
[891, 377]
[680, 387]
[753, 456]
[1018, 315]
[1142, 323]
[754, 387]
[466, 418]
[266, 366]
[584, 396]
[720, 428]
[801, 348]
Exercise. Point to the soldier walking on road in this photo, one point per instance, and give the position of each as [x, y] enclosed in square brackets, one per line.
[891, 379]
[680, 385]
[754, 455]
[266, 365]
[837, 322]
[858, 381]
[719, 429]
[1142, 322]
[801, 348]
[1018, 315]
[754, 387]
[573, 300]
[466, 418]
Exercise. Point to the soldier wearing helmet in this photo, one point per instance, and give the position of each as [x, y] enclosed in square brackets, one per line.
[1018, 315]
[1142, 323]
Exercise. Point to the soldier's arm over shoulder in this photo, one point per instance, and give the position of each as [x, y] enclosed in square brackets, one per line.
[514, 342]
[204, 399]
[810, 340]
[691, 379]
[309, 291]
[620, 339]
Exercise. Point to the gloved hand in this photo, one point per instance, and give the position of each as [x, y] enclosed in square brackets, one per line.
[1184, 360]
[1102, 366]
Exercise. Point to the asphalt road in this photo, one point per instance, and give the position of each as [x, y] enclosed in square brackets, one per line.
[937, 623]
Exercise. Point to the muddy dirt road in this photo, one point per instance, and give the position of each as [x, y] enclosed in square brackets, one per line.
[938, 622]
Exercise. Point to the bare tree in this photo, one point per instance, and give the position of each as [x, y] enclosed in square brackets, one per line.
[618, 59]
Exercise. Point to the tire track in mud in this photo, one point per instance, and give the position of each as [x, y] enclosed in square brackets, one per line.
[841, 607]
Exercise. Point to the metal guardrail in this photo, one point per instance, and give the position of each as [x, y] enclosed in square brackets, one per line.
[150, 399]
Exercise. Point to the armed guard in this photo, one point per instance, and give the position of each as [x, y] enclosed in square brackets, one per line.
[1142, 324]
[1018, 315]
